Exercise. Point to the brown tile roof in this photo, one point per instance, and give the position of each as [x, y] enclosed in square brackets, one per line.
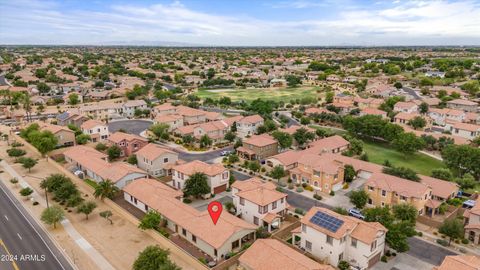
[251, 119]
[54, 128]
[91, 124]
[462, 102]
[268, 254]
[258, 192]
[327, 144]
[399, 185]
[466, 126]
[288, 158]
[321, 163]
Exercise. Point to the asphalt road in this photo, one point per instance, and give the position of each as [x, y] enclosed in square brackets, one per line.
[206, 157]
[291, 121]
[135, 126]
[23, 239]
[412, 92]
[427, 252]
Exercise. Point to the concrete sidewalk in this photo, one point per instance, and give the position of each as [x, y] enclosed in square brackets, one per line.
[101, 262]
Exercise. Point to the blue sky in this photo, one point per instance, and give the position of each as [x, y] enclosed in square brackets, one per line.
[241, 22]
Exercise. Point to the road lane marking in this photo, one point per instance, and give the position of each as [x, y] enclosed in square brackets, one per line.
[6, 217]
[19, 236]
[14, 264]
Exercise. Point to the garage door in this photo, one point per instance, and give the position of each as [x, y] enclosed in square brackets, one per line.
[364, 174]
[220, 189]
[374, 260]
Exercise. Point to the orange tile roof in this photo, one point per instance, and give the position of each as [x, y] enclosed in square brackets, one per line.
[120, 136]
[467, 127]
[91, 124]
[460, 262]
[327, 144]
[252, 119]
[260, 140]
[153, 151]
[257, 191]
[54, 128]
[198, 223]
[268, 254]
[289, 157]
[364, 231]
[399, 185]
[198, 166]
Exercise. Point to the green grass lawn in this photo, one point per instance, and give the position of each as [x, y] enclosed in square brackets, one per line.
[91, 183]
[275, 94]
[422, 164]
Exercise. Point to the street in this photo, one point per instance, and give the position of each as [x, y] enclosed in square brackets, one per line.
[130, 126]
[427, 252]
[22, 239]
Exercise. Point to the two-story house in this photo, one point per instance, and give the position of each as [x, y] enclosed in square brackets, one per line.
[259, 203]
[129, 143]
[64, 135]
[319, 171]
[464, 130]
[463, 104]
[333, 237]
[217, 175]
[156, 160]
[248, 125]
[97, 130]
[406, 107]
[131, 106]
[258, 147]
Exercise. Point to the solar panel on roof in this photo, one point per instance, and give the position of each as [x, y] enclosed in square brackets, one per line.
[326, 221]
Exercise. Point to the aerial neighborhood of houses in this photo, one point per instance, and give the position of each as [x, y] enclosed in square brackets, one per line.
[320, 158]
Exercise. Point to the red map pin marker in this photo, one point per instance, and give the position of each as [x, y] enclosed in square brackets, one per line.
[215, 210]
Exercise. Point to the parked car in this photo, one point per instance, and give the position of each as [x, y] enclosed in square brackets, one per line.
[225, 153]
[356, 213]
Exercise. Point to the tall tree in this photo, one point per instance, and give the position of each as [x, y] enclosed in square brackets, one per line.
[359, 198]
[151, 220]
[161, 131]
[408, 143]
[452, 228]
[462, 159]
[405, 212]
[28, 163]
[106, 189]
[284, 139]
[302, 136]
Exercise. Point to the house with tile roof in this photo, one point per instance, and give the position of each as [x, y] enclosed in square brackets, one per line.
[457, 262]
[259, 203]
[333, 237]
[463, 104]
[217, 175]
[129, 143]
[406, 107]
[248, 125]
[267, 254]
[156, 160]
[471, 218]
[64, 135]
[229, 234]
[287, 160]
[95, 166]
[332, 144]
[71, 118]
[258, 147]
[464, 130]
[97, 130]
[173, 121]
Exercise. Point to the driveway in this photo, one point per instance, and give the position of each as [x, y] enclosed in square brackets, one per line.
[403, 261]
[412, 92]
[135, 126]
[291, 121]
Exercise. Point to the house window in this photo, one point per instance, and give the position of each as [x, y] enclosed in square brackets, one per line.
[274, 205]
[383, 204]
[184, 232]
[370, 188]
[215, 252]
[370, 201]
[340, 257]
[165, 160]
[146, 207]
[329, 240]
[373, 246]
[308, 245]
[354, 242]
[304, 228]
[316, 173]
[225, 175]
[403, 198]
[384, 193]
[194, 238]
[242, 201]
[135, 200]
[281, 200]
[255, 220]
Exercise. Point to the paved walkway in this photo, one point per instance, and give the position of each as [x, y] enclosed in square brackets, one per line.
[101, 262]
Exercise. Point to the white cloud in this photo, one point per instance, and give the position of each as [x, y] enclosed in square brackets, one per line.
[404, 23]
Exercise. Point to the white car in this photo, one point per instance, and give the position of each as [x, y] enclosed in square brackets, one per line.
[225, 153]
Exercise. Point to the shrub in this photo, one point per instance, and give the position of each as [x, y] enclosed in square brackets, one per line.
[317, 197]
[309, 188]
[290, 186]
[299, 189]
[394, 254]
[343, 265]
[457, 241]
[345, 186]
[299, 211]
[263, 169]
[464, 241]
[387, 253]
[332, 193]
[187, 200]
[442, 242]
[435, 233]
[462, 250]
[14, 180]
[26, 191]
[35, 203]
[203, 260]
[420, 234]
[384, 259]
[304, 185]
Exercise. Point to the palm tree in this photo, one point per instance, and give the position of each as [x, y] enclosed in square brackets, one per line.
[27, 105]
[105, 189]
